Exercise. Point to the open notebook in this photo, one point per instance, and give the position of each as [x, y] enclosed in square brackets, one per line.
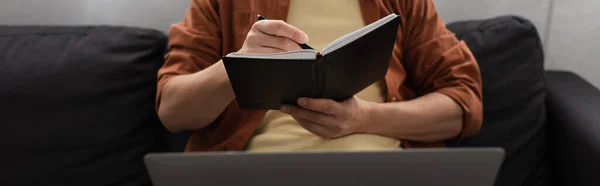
[342, 69]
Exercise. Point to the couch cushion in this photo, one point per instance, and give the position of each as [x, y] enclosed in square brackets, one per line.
[509, 53]
[78, 104]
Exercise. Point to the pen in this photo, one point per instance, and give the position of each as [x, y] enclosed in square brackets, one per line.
[303, 45]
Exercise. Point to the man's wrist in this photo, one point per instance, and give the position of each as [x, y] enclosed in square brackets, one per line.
[222, 76]
[375, 118]
[217, 74]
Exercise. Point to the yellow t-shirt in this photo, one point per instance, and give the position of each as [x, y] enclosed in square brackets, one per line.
[323, 21]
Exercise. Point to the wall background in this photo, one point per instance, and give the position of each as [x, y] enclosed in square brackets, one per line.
[568, 28]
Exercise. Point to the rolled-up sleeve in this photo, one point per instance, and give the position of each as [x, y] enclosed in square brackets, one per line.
[437, 62]
[194, 44]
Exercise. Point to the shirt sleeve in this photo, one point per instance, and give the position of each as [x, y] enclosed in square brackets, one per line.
[436, 61]
[194, 43]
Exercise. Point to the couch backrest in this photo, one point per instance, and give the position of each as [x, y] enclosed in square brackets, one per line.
[78, 104]
[568, 28]
[534, 10]
[510, 55]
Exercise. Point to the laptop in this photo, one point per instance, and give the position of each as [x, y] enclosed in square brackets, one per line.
[419, 167]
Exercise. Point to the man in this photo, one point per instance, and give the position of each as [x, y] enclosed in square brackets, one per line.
[431, 92]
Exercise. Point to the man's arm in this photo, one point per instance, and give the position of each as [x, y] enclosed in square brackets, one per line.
[429, 118]
[193, 101]
[193, 86]
[192, 91]
[443, 70]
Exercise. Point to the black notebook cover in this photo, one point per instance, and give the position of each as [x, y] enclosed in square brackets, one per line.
[338, 75]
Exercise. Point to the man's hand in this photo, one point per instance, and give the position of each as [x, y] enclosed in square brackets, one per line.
[330, 119]
[273, 36]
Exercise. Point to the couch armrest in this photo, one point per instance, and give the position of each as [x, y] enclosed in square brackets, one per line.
[574, 129]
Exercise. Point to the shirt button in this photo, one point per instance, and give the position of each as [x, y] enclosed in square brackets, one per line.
[393, 99]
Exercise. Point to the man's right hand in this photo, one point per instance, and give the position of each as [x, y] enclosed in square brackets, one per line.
[193, 101]
[273, 36]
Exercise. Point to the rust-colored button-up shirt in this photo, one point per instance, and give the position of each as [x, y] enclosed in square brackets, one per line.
[426, 58]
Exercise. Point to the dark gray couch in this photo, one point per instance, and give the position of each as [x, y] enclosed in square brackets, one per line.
[78, 107]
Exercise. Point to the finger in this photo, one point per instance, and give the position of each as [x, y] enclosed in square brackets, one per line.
[264, 40]
[264, 50]
[281, 43]
[281, 28]
[315, 128]
[326, 106]
[325, 120]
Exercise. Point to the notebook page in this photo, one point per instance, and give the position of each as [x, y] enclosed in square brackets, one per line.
[344, 40]
[296, 54]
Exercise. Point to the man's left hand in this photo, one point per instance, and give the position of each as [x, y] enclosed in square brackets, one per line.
[330, 119]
